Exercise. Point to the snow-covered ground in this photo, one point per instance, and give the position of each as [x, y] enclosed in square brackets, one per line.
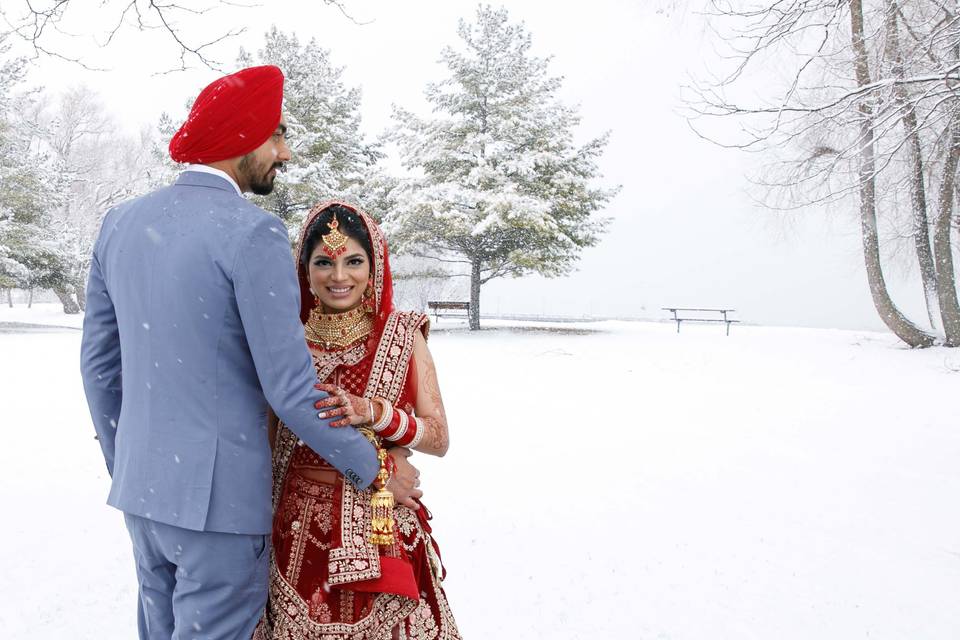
[47, 314]
[609, 480]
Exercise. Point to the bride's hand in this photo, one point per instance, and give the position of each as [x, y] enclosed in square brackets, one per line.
[404, 484]
[354, 409]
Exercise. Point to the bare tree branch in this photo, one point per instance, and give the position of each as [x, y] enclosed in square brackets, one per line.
[35, 21]
[343, 11]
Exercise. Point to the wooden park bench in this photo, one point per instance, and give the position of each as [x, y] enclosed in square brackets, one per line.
[683, 314]
[442, 307]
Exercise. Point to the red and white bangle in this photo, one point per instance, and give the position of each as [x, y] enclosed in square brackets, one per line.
[398, 426]
[386, 415]
[390, 431]
[419, 428]
[414, 433]
[401, 430]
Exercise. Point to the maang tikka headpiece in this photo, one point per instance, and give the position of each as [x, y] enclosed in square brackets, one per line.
[334, 243]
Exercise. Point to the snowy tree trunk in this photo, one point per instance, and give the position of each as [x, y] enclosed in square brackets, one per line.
[921, 227]
[10, 297]
[474, 295]
[921, 238]
[81, 295]
[30, 299]
[918, 195]
[943, 251]
[70, 305]
[891, 316]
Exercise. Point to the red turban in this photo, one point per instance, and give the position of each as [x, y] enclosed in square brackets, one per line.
[231, 117]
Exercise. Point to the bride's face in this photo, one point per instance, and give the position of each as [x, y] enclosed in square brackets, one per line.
[339, 283]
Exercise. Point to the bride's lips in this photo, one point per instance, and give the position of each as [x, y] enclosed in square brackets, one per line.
[340, 292]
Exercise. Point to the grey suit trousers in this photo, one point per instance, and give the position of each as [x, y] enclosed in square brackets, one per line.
[199, 585]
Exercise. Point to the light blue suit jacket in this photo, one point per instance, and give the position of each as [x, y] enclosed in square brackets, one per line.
[192, 327]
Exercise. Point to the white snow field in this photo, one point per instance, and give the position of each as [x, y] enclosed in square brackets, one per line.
[612, 480]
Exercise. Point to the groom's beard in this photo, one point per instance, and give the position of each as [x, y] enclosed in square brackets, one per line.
[258, 175]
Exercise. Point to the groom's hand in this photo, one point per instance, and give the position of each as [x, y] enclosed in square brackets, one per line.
[405, 480]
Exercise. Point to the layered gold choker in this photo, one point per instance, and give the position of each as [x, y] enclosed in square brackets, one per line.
[337, 330]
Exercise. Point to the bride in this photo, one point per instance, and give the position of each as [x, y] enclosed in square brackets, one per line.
[346, 563]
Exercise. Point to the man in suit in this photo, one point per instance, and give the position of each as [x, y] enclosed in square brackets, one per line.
[191, 330]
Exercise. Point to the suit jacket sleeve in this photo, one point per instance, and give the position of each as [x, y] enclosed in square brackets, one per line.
[268, 297]
[100, 361]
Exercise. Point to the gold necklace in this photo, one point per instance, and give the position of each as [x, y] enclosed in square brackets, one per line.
[337, 330]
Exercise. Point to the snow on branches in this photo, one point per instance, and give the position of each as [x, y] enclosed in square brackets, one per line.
[330, 157]
[500, 184]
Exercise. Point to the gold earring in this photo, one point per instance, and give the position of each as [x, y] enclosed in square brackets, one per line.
[368, 301]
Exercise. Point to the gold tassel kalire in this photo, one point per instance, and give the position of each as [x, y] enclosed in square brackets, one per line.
[381, 506]
[381, 503]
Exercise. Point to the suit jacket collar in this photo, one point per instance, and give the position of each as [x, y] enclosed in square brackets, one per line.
[201, 179]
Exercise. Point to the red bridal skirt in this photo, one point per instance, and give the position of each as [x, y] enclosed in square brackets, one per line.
[405, 601]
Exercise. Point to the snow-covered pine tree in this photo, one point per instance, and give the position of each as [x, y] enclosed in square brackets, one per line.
[30, 255]
[330, 157]
[502, 187]
[12, 271]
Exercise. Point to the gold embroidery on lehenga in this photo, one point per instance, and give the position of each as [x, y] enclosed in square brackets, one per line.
[388, 616]
[289, 616]
[410, 529]
[422, 624]
[357, 558]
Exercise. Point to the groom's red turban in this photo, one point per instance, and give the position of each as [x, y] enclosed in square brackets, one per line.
[231, 117]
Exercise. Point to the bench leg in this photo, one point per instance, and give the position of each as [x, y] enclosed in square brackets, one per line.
[678, 326]
[728, 329]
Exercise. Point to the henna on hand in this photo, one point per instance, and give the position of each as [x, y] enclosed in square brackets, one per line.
[332, 401]
[360, 407]
[355, 409]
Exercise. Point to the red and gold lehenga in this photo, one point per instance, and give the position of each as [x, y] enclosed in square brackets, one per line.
[327, 580]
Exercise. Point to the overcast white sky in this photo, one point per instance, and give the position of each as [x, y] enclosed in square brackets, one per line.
[685, 231]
